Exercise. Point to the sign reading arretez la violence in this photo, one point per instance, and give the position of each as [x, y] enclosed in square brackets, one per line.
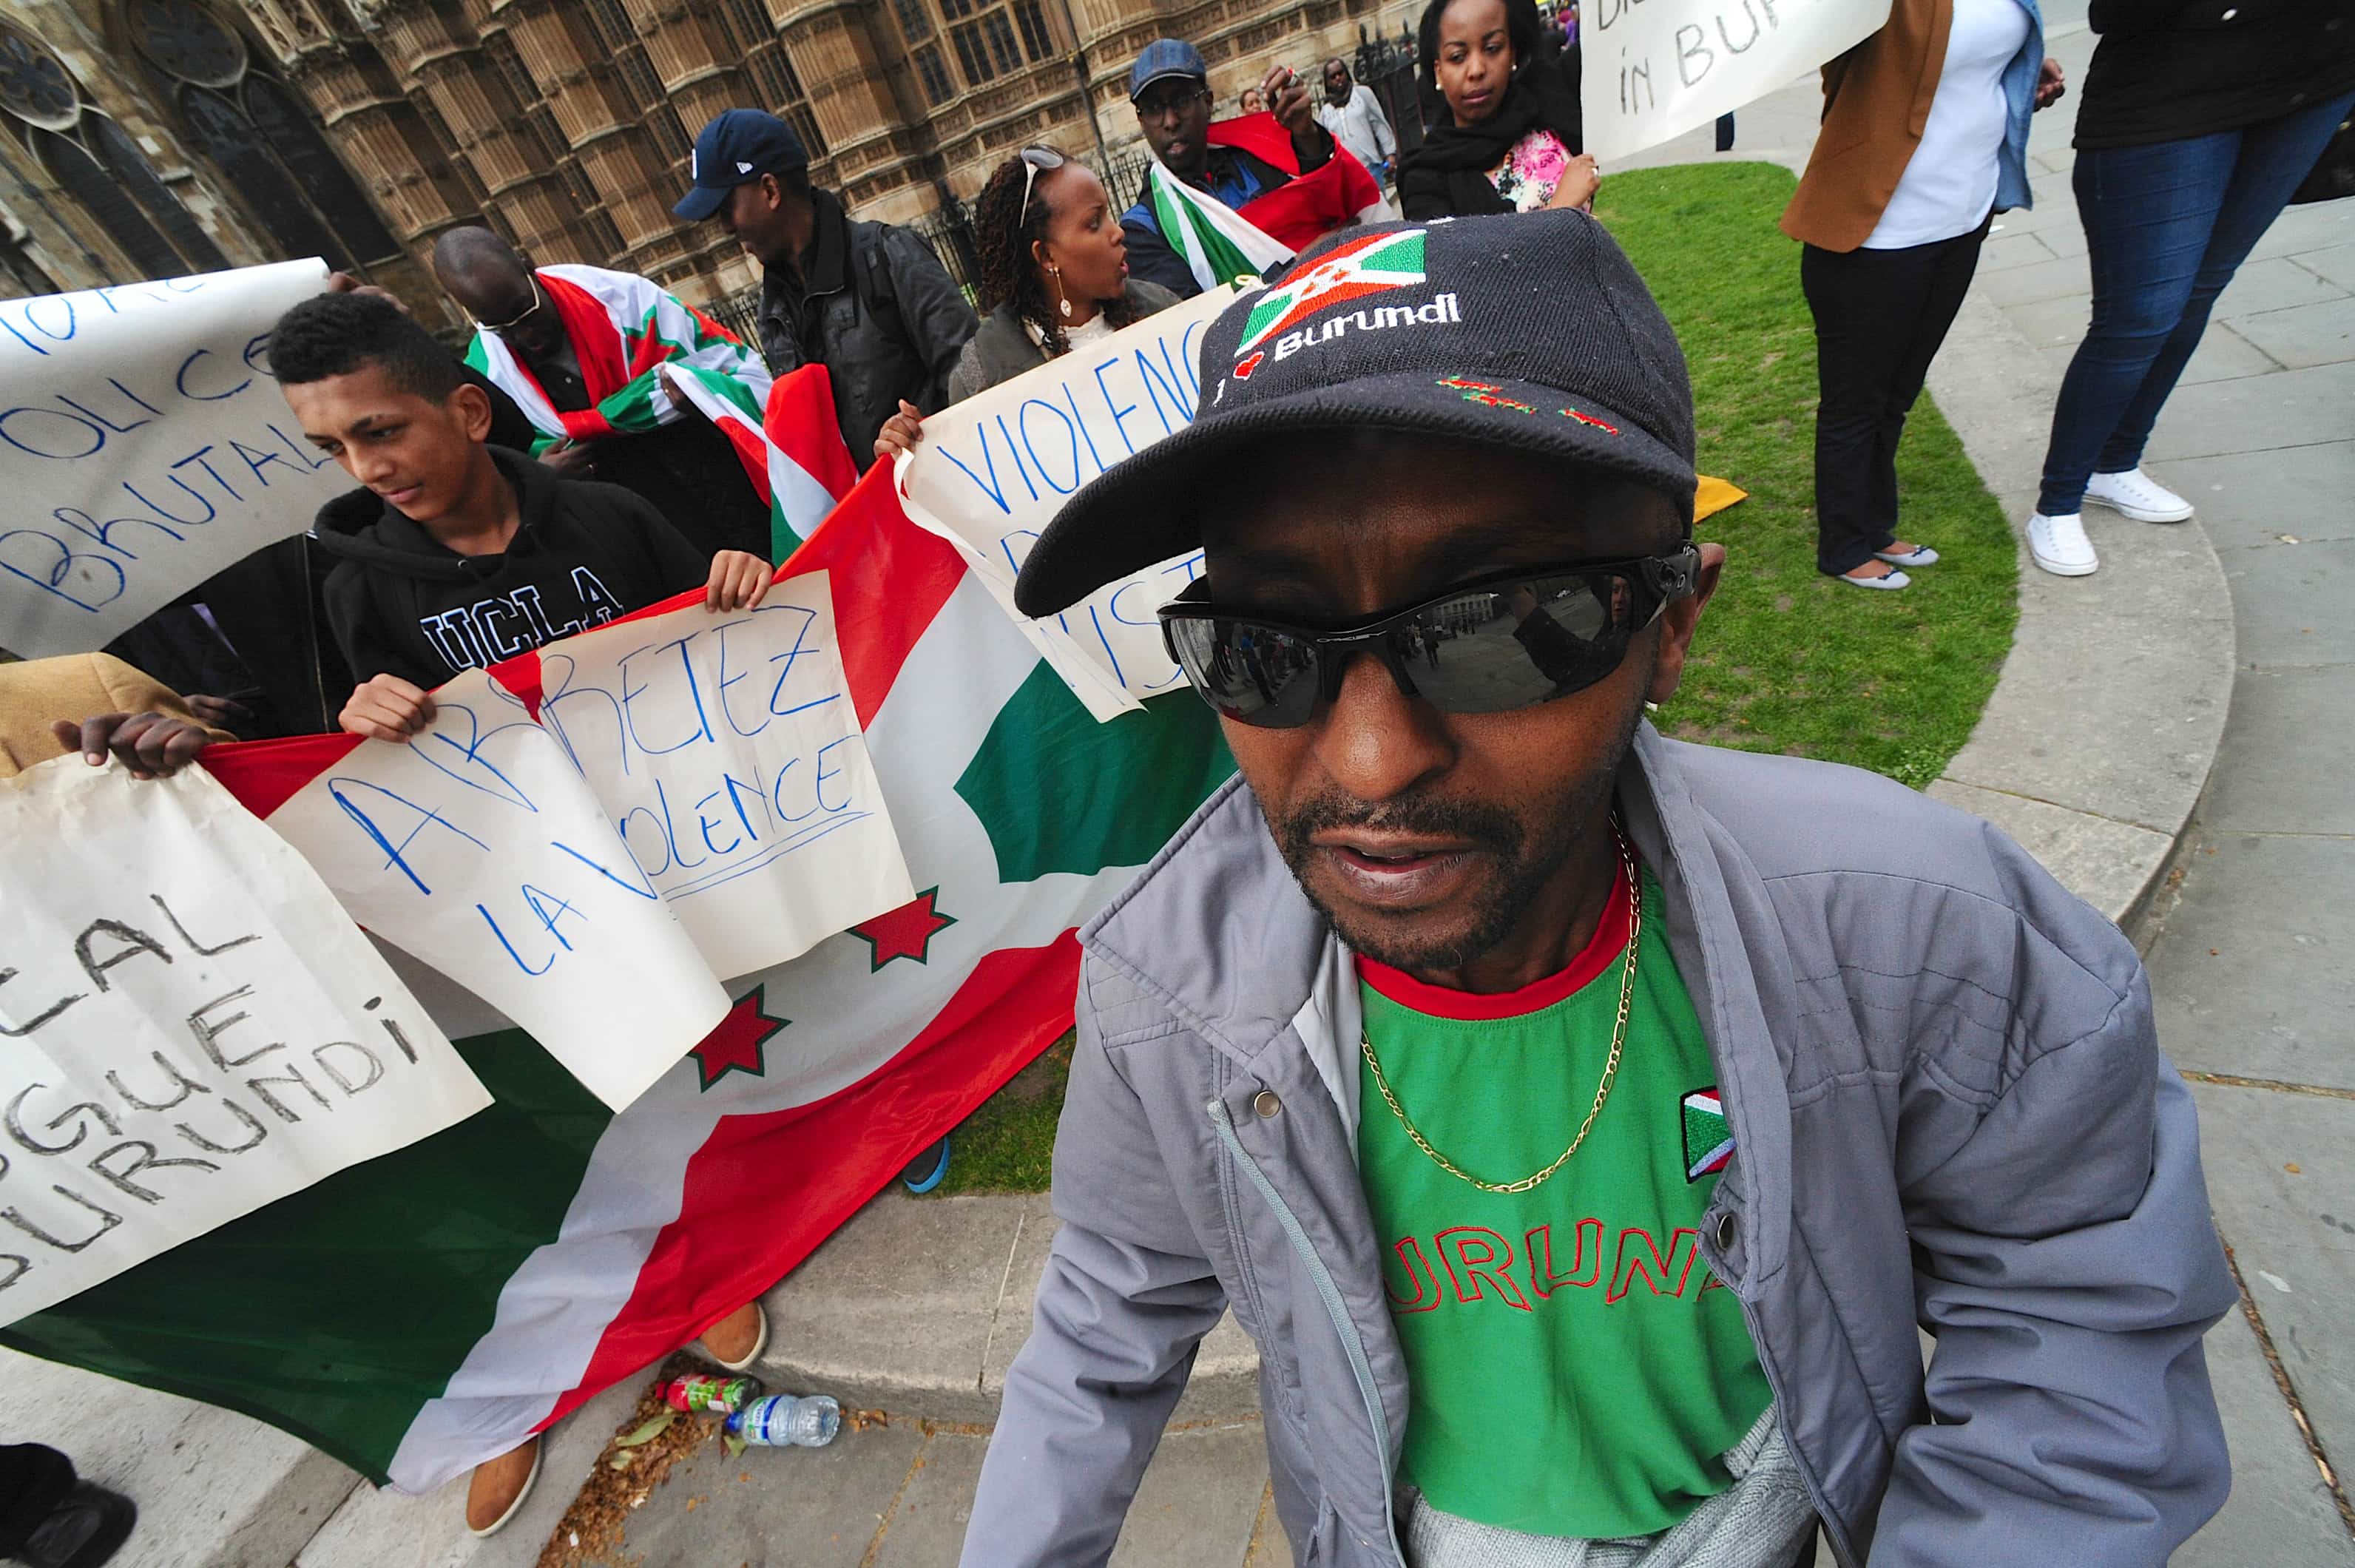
[144, 447]
[991, 471]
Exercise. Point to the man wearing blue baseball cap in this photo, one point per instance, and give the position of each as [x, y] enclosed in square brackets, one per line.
[869, 301]
[1581, 1122]
[1280, 169]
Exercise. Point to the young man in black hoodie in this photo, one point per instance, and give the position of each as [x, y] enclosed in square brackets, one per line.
[459, 554]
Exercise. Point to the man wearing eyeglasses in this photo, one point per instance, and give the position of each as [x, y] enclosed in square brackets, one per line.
[1282, 171]
[1581, 1122]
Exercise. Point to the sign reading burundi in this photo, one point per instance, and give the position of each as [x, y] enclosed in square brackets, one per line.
[1655, 68]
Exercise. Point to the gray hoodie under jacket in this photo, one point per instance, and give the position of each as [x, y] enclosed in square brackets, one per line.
[1948, 1109]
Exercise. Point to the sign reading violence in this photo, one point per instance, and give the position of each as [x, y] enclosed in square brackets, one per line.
[189, 1028]
[1652, 69]
[991, 471]
[144, 447]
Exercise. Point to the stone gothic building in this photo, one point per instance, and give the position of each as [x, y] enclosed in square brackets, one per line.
[142, 138]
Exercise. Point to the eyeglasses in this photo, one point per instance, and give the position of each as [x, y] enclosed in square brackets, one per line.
[1511, 639]
[537, 301]
[1168, 101]
[1035, 161]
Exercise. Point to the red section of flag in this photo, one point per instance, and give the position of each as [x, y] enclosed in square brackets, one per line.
[731, 1241]
[266, 774]
[800, 420]
[750, 451]
[596, 343]
[890, 578]
[1305, 208]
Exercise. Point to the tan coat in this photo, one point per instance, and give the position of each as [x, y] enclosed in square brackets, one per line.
[1876, 101]
[75, 686]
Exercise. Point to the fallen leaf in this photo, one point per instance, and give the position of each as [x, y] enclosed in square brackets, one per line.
[744, 1474]
[691, 1503]
[2293, 1169]
[2288, 538]
[649, 1430]
[734, 1444]
[623, 1461]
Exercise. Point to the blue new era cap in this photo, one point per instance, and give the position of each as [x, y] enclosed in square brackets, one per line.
[1165, 57]
[739, 146]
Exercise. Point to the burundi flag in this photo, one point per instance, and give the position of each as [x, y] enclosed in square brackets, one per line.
[1372, 265]
[626, 331]
[1215, 241]
[420, 1313]
[1709, 1142]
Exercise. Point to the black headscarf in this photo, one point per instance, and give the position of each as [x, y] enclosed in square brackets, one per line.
[1447, 176]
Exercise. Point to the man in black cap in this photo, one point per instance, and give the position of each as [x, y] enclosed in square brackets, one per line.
[869, 302]
[1615, 1106]
[1281, 170]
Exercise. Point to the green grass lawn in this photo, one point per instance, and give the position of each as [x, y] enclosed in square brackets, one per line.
[1785, 659]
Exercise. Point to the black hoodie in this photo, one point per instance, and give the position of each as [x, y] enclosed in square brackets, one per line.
[400, 603]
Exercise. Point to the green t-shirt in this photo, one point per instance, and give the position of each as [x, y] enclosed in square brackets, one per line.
[1576, 1369]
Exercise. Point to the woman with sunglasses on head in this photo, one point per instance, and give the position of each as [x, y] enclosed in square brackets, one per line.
[1510, 138]
[1054, 277]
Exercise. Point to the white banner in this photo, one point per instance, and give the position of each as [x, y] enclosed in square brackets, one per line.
[189, 1028]
[478, 849]
[144, 447]
[1652, 69]
[991, 471]
[725, 751]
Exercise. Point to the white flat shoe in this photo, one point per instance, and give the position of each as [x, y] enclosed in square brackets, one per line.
[2058, 545]
[1920, 555]
[1882, 583]
[2137, 494]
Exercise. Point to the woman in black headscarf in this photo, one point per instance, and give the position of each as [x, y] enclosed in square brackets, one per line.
[1510, 136]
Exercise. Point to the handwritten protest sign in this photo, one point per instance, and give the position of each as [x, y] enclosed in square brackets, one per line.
[142, 448]
[1655, 68]
[478, 847]
[726, 751]
[991, 471]
[189, 1028]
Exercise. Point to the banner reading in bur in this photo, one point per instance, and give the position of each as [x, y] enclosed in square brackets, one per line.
[193, 1028]
[144, 447]
[991, 471]
[1651, 70]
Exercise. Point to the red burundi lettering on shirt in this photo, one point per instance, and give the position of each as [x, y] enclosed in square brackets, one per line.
[1586, 1251]
[1631, 1262]
[1427, 1295]
[1475, 1253]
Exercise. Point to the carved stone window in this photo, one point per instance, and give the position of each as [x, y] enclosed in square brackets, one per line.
[986, 35]
[255, 128]
[97, 166]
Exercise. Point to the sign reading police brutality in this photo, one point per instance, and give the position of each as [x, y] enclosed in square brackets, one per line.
[189, 1028]
[1652, 69]
[991, 471]
[592, 837]
[144, 447]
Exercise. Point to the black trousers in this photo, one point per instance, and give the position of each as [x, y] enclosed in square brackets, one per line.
[33, 1481]
[1880, 318]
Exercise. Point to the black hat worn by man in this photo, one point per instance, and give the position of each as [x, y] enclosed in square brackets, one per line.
[1617, 1105]
[869, 302]
[1278, 169]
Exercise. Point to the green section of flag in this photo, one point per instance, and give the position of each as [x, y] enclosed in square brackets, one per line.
[337, 1313]
[1058, 792]
[1217, 244]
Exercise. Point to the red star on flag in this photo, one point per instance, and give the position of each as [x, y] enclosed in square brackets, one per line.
[905, 933]
[738, 1044]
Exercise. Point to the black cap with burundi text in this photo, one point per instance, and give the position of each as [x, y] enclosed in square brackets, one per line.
[1531, 331]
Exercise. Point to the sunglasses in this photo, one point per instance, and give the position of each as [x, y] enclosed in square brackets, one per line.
[537, 301]
[1508, 640]
[1036, 161]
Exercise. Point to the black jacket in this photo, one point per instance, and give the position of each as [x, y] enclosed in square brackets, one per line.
[2168, 70]
[878, 310]
[1447, 176]
[400, 603]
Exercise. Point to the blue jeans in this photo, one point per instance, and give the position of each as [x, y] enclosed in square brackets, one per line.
[2166, 224]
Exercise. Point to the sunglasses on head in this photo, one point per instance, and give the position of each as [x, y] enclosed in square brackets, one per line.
[517, 321]
[1507, 640]
[1034, 162]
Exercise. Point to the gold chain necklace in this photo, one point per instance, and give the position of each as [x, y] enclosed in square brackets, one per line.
[1609, 1067]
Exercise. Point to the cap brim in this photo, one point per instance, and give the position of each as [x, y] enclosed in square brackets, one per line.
[1145, 511]
[700, 202]
[1137, 91]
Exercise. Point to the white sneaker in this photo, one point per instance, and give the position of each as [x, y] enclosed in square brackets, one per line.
[2137, 494]
[2060, 546]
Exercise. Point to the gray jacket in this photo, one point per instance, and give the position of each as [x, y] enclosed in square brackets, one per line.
[1947, 1104]
[1003, 348]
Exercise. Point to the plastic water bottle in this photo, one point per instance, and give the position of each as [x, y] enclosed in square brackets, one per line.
[781, 1419]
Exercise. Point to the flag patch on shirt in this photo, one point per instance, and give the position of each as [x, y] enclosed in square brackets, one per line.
[1709, 1142]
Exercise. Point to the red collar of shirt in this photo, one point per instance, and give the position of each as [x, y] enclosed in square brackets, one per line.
[1602, 950]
